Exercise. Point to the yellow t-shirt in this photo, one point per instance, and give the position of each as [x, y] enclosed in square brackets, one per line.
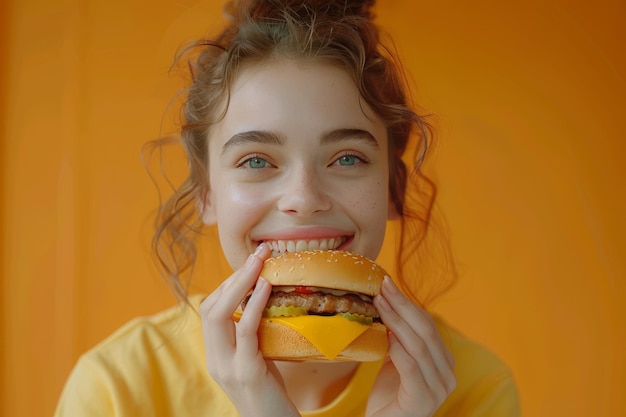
[156, 367]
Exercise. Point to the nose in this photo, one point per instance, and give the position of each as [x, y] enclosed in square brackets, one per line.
[303, 193]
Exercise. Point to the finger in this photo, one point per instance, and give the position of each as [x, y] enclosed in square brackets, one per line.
[217, 309]
[247, 328]
[408, 314]
[422, 344]
[410, 353]
[234, 289]
[418, 394]
[408, 368]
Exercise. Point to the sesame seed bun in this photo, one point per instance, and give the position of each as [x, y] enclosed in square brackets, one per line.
[337, 270]
[329, 269]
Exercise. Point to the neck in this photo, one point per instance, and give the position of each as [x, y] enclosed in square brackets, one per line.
[314, 384]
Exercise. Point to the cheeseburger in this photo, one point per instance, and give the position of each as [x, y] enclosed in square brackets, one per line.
[321, 308]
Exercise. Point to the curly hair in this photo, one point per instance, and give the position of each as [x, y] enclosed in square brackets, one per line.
[339, 32]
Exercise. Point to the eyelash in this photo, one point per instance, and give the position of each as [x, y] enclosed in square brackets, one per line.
[247, 159]
[360, 157]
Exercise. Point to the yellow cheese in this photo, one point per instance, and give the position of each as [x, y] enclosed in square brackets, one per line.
[329, 334]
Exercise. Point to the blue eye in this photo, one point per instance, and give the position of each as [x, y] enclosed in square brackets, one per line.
[348, 160]
[256, 163]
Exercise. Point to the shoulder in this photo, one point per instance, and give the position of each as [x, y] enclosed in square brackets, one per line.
[151, 341]
[485, 384]
[159, 353]
[153, 332]
[472, 358]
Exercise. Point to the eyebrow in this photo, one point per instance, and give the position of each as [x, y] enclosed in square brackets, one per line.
[346, 134]
[271, 138]
[252, 136]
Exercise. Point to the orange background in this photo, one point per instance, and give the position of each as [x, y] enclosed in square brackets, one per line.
[530, 104]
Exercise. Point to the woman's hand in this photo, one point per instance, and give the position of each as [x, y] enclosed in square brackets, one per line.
[232, 351]
[418, 374]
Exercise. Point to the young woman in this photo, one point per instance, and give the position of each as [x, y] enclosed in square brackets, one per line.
[298, 130]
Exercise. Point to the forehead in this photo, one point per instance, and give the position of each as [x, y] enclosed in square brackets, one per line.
[305, 90]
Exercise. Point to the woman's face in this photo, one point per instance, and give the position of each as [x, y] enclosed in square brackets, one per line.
[299, 161]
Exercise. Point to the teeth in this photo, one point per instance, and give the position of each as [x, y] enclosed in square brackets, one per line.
[281, 246]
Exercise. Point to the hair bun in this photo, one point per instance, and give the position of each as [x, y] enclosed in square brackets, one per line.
[342, 8]
[269, 9]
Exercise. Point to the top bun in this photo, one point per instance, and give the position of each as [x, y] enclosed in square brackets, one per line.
[329, 269]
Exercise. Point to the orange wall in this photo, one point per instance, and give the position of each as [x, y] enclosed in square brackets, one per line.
[529, 99]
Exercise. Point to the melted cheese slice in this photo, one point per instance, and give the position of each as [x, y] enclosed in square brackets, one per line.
[330, 335]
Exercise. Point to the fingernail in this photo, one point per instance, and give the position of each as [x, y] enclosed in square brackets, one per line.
[259, 249]
[382, 303]
[390, 285]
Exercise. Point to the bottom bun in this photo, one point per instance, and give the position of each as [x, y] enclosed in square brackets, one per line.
[279, 342]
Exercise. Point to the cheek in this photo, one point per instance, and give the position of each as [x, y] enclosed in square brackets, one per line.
[369, 210]
[370, 203]
[239, 208]
[238, 203]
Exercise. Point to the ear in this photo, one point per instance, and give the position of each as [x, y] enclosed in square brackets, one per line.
[207, 208]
